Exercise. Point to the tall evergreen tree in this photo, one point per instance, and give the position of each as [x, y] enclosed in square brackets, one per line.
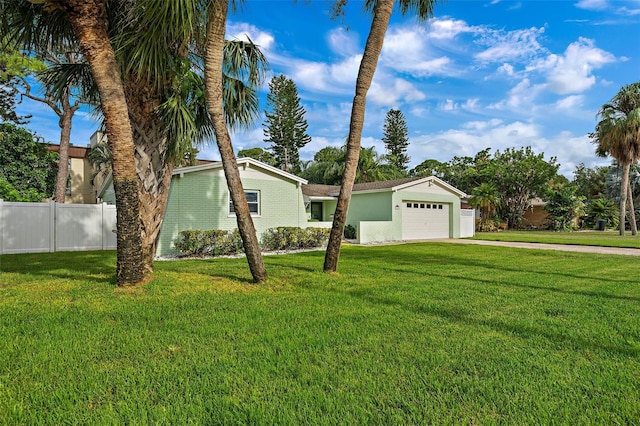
[396, 139]
[285, 127]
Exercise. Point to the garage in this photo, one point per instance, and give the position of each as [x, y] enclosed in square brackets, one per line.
[425, 220]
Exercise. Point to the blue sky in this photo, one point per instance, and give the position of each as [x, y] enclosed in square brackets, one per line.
[480, 74]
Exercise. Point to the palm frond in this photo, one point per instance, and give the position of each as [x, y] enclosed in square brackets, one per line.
[77, 76]
[241, 105]
[243, 60]
[27, 27]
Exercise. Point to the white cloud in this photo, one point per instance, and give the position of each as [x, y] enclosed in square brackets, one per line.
[506, 69]
[241, 31]
[475, 136]
[448, 105]
[448, 28]
[471, 104]
[505, 46]
[343, 42]
[570, 103]
[520, 96]
[390, 91]
[407, 49]
[592, 4]
[572, 72]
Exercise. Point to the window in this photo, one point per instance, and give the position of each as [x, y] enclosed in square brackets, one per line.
[409, 205]
[422, 205]
[253, 199]
[439, 206]
[415, 205]
[428, 206]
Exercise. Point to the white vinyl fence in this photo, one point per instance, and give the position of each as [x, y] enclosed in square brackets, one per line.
[467, 223]
[49, 227]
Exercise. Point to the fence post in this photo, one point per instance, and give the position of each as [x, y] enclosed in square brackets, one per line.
[52, 226]
[1, 227]
[102, 227]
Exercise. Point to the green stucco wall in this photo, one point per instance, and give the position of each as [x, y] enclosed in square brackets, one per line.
[381, 207]
[200, 200]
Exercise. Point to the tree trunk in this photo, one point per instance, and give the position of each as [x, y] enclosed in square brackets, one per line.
[88, 20]
[632, 212]
[381, 15]
[216, 22]
[63, 152]
[623, 194]
[154, 173]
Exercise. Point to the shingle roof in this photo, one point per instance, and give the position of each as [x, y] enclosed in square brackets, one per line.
[315, 190]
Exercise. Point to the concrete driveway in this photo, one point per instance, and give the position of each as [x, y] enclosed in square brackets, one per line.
[544, 246]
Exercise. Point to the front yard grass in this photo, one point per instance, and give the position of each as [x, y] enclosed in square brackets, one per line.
[585, 238]
[404, 334]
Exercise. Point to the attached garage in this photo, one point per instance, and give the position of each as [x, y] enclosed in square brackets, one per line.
[402, 209]
[425, 220]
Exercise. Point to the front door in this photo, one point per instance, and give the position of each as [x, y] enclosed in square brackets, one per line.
[316, 211]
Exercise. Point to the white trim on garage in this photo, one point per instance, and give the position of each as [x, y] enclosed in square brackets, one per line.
[422, 220]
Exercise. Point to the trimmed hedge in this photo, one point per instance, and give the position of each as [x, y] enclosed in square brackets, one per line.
[213, 242]
[223, 243]
[293, 238]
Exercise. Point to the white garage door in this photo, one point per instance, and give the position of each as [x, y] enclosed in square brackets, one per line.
[422, 220]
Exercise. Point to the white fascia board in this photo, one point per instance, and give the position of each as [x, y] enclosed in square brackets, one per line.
[439, 181]
[244, 161]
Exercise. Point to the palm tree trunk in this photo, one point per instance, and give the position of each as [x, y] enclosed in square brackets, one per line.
[623, 194]
[154, 173]
[632, 212]
[88, 20]
[216, 23]
[381, 15]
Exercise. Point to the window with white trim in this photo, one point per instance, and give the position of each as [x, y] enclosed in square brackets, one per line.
[253, 200]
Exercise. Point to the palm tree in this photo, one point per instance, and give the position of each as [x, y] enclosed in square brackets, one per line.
[485, 198]
[51, 23]
[369, 167]
[214, 84]
[382, 10]
[167, 105]
[618, 134]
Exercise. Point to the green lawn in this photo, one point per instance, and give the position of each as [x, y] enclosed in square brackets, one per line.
[405, 334]
[585, 238]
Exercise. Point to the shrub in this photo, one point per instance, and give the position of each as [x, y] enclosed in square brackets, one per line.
[350, 232]
[213, 242]
[293, 238]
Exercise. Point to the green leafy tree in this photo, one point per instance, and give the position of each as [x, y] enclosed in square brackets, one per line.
[258, 154]
[327, 166]
[590, 183]
[370, 167]
[520, 175]
[563, 206]
[27, 168]
[396, 140]
[285, 127]
[467, 172]
[618, 134]
[430, 167]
